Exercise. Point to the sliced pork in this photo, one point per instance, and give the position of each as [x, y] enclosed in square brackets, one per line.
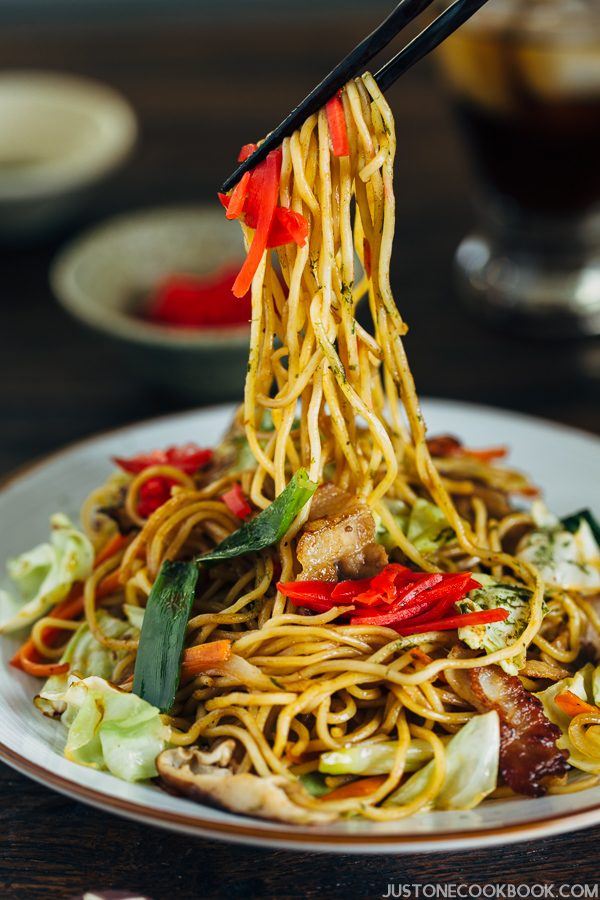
[338, 541]
[529, 757]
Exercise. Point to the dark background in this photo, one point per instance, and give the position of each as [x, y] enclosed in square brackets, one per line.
[202, 84]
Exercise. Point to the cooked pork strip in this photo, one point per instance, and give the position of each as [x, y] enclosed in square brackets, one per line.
[338, 540]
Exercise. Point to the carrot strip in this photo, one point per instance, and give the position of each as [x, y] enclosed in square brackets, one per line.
[112, 546]
[109, 585]
[529, 491]
[24, 650]
[68, 609]
[205, 656]
[361, 788]
[42, 670]
[420, 656]
[573, 705]
[486, 454]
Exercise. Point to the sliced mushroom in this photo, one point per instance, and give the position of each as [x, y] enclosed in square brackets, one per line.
[52, 707]
[536, 668]
[191, 772]
[220, 755]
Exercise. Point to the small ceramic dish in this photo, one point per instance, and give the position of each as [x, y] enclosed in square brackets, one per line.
[60, 135]
[103, 278]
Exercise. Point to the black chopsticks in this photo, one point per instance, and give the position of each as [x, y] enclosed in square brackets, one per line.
[430, 38]
[354, 63]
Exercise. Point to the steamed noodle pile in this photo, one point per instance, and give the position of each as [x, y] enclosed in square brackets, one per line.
[343, 405]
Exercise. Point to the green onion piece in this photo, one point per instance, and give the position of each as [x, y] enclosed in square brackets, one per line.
[314, 784]
[157, 667]
[269, 526]
[158, 662]
[573, 522]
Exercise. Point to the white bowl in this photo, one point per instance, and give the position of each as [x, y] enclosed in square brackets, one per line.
[60, 134]
[102, 278]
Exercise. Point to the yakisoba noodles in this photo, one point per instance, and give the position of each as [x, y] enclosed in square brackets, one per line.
[310, 714]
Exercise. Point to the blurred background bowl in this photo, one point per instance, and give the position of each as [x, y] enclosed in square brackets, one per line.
[60, 136]
[104, 278]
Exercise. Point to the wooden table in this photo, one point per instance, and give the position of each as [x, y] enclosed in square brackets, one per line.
[200, 95]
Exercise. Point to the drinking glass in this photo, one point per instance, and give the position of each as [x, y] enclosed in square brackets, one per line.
[525, 75]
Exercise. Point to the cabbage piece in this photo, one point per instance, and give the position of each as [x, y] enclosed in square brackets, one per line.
[497, 635]
[86, 656]
[542, 517]
[135, 615]
[572, 523]
[46, 574]
[596, 686]
[399, 511]
[471, 767]
[428, 529]
[424, 525]
[564, 558]
[373, 759]
[110, 729]
[584, 684]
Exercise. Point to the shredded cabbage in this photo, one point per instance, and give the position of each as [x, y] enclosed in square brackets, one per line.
[596, 686]
[373, 759]
[399, 512]
[424, 525]
[428, 529]
[135, 614]
[497, 635]
[110, 729]
[566, 559]
[45, 574]
[585, 685]
[472, 757]
[86, 656]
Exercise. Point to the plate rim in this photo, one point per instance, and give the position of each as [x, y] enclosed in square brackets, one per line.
[300, 838]
[268, 834]
[38, 462]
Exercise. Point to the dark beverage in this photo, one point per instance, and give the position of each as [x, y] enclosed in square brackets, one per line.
[544, 156]
[527, 82]
[526, 78]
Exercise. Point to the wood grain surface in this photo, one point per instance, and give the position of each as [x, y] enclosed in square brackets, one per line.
[202, 89]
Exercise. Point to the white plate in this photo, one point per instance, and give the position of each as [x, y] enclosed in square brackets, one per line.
[565, 462]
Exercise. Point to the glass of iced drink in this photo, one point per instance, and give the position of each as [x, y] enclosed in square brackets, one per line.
[525, 75]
